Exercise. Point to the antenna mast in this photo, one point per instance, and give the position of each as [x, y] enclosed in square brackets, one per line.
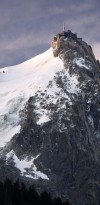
[63, 27]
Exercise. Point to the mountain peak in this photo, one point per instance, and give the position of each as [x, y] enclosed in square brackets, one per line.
[49, 121]
[75, 52]
[67, 41]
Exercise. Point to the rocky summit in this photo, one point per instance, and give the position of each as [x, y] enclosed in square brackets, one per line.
[50, 121]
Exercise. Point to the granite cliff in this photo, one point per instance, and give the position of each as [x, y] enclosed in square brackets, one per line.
[58, 144]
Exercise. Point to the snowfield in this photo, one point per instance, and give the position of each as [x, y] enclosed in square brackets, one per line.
[26, 166]
[18, 83]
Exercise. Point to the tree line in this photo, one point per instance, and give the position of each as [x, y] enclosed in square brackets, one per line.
[14, 193]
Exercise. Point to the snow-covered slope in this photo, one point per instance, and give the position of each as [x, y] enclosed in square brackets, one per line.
[17, 84]
[53, 106]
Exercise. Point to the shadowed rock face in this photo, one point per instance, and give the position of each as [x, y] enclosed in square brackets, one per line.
[68, 143]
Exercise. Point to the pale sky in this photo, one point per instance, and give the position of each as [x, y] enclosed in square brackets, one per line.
[27, 26]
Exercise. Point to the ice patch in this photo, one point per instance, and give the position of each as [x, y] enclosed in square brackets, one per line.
[26, 166]
[91, 121]
[73, 82]
[81, 63]
[43, 119]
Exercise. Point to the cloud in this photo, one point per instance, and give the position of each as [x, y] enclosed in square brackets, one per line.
[83, 6]
[27, 27]
[22, 47]
[25, 40]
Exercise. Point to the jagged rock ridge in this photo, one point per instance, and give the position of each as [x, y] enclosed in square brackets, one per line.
[60, 128]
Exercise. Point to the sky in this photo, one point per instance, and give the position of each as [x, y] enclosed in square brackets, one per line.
[27, 26]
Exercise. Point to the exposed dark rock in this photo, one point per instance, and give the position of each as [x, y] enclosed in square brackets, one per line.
[68, 143]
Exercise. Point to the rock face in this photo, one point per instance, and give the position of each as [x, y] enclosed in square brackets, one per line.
[60, 129]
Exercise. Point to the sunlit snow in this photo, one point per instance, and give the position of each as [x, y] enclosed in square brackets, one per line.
[18, 83]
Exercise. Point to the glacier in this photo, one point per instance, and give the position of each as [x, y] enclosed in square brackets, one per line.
[17, 84]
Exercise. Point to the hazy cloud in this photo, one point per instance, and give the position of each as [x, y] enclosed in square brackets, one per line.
[26, 27]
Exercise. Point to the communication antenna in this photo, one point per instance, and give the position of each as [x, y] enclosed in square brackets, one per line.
[63, 27]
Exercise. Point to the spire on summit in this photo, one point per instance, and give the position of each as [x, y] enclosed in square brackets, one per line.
[64, 27]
